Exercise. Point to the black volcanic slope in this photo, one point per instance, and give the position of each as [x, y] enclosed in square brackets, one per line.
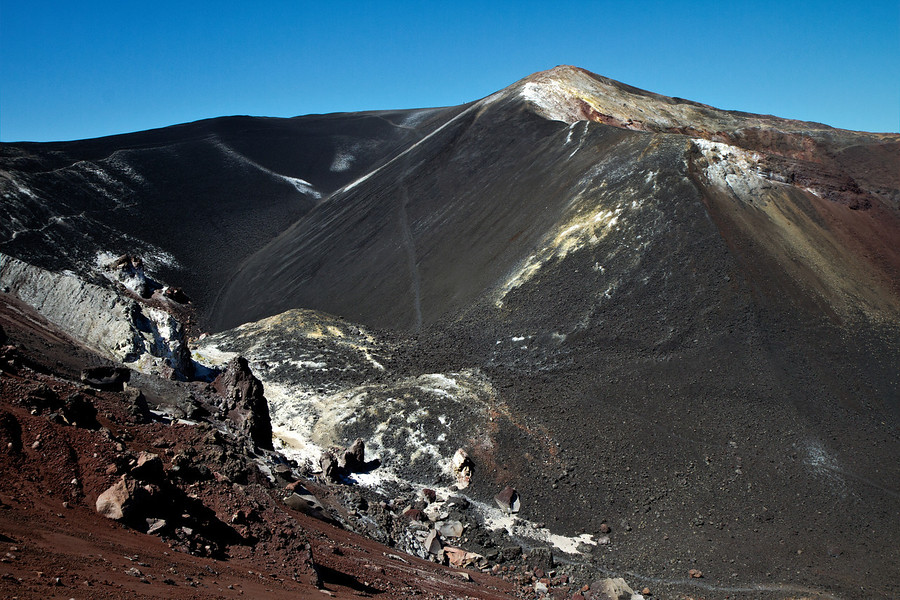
[193, 200]
[708, 302]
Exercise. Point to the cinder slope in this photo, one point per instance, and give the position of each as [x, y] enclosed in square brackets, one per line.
[191, 200]
[498, 189]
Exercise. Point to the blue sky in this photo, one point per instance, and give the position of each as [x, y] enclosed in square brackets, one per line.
[72, 70]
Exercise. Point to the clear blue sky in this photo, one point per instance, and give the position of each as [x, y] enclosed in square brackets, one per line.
[72, 70]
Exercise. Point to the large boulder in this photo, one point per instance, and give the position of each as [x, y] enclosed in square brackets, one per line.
[123, 500]
[353, 459]
[245, 406]
[106, 377]
[149, 467]
[611, 589]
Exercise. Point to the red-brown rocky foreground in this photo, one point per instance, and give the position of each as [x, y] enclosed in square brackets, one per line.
[104, 498]
[55, 544]
[216, 526]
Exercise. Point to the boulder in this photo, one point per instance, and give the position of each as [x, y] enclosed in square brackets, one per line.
[460, 559]
[245, 406]
[432, 543]
[415, 514]
[306, 503]
[611, 589]
[122, 500]
[353, 459]
[155, 526]
[462, 466]
[457, 502]
[450, 528]
[540, 558]
[510, 553]
[136, 405]
[106, 378]
[330, 468]
[149, 467]
[354, 456]
[508, 500]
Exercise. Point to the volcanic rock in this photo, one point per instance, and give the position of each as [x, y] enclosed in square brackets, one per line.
[155, 526]
[149, 467]
[353, 459]
[106, 378]
[122, 500]
[416, 514]
[331, 471]
[541, 558]
[137, 407]
[244, 403]
[449, 528]
[458, 502]
[461, 465]
[510, 553]
[508, 500]
[611, 589]
[460, 558]
[432, 542]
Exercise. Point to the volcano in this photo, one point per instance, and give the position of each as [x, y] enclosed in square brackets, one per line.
[679, 323]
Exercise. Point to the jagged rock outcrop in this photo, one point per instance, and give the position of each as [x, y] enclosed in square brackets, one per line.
[245, 405]
[129, 271]
[114, 325]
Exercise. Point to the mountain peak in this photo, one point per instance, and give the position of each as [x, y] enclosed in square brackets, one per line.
[570, 94]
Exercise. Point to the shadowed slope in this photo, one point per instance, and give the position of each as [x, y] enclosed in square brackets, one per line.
[193, 200]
